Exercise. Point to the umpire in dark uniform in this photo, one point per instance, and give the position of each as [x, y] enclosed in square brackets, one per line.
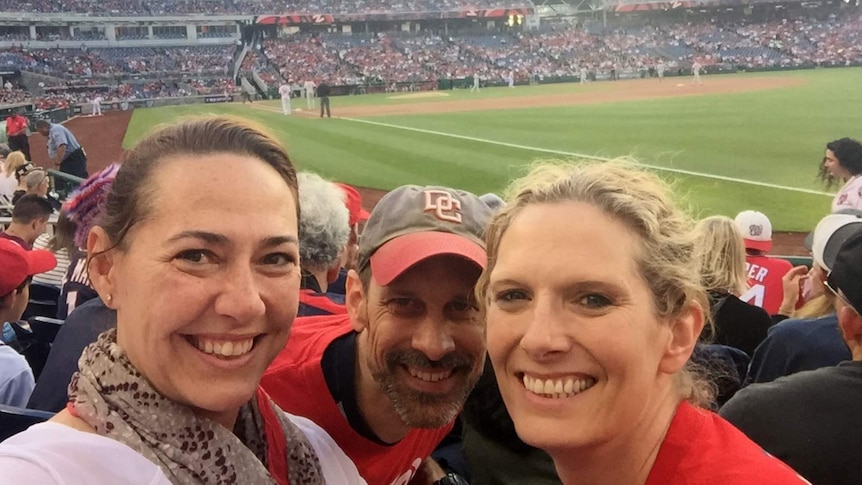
[323, 93]
[63, 149]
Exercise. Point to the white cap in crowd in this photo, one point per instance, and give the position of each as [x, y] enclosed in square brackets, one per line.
[756, 230]
[830, 234]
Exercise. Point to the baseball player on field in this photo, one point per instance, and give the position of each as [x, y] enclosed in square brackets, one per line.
[660, 70]
[284, 91]
[695, 70]
[97, 105]
[308, 89]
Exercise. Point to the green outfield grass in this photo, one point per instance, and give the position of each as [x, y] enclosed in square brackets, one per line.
[773, 137]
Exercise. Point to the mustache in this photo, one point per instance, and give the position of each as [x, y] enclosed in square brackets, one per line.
[415, 358]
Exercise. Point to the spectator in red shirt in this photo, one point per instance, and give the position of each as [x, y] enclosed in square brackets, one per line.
[590, 328]
[766, 289]
[16, 132]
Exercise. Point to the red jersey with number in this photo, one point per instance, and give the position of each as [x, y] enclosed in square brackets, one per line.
[296, 383]
[764, 282]
[701, 448]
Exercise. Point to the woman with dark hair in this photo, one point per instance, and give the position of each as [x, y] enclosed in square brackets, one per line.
[842, 164]
[205, 289]
[84, 208]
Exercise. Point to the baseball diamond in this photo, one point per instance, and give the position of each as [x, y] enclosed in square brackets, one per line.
[757, 127]
[430, 242]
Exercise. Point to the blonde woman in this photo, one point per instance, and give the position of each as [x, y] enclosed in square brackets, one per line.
[594, 304]
[722, 272]
[18, 166]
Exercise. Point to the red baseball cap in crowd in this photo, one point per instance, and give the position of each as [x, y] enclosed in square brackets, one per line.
[411, 224]
[756, 230]
[353, 201]
[16, 264]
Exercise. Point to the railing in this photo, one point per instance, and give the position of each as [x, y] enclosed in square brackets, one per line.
[63, 183]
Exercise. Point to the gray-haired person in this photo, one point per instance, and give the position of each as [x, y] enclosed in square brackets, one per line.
[324, 230]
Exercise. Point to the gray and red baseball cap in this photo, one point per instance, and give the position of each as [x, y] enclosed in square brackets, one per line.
[411, 224]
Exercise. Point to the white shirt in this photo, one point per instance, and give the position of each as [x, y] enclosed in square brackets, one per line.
[334, 463]
[7, 184]
[56, 275]
[54, 454]
[284, 91]
[850, 196]
[97, 100]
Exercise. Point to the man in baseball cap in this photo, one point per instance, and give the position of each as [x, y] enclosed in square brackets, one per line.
[830, 234]
[387, 380]
[845, 280]
[798, 345]
[17, 266]
[822, 405]
[764, 273]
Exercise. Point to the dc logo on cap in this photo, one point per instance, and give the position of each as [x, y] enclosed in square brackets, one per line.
[444, 206]
[755, 229]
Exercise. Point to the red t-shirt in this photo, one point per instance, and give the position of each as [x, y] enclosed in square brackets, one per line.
[296, 383]
[764, 281]
[701, 448]
[14, 124]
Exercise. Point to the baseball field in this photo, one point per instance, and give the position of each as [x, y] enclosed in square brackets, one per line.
[741, 141]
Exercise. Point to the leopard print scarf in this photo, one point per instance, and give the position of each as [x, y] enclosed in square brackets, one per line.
[118, 402]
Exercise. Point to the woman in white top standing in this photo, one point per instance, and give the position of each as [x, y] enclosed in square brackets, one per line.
[205, 289]
[843, 164]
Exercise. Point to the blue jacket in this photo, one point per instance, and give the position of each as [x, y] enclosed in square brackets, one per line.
[798, 345]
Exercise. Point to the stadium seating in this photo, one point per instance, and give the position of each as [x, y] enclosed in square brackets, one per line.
[394, 60]
[226, 7]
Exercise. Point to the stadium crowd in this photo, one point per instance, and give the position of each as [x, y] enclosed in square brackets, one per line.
[119, 61]
[258, 325]
[247, 7]
[558, 50]
[561, 50]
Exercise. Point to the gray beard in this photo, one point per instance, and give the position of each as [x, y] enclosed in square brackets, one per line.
[418, 409]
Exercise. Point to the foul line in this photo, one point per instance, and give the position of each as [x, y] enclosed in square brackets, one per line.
[277, 109]
[591, 157]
